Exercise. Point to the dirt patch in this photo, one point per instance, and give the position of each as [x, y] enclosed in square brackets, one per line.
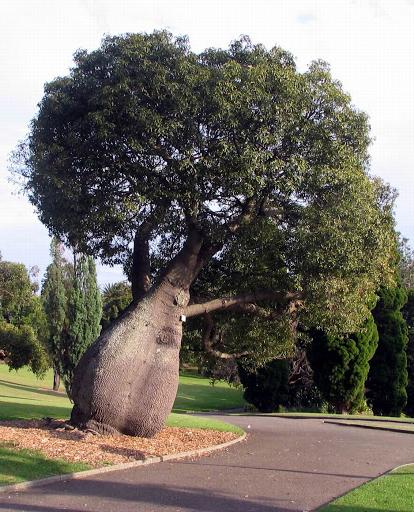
[76, 446]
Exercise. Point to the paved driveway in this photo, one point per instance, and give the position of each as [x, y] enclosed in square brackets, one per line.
[285, 464]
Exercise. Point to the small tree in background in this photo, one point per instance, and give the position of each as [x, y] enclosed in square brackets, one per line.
[54, 296]
[267, 387]
[408, 313]
[387, 379]
[23, 327]
[116, 298]
[73, 305]
[341, 365]
[84, 312]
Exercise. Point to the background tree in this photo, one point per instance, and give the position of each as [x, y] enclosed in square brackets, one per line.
[54, 295]
[83, 322]
[341, 364]
[267, 387]
[115, 299]
[23, 327]
[408, 313]
[181, 162]
[387, 379]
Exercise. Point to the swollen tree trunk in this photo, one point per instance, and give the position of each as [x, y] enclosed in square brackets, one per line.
[56, 380]
[127, 380]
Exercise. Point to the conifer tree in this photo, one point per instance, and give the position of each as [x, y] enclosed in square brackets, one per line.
[408, 313]
[54, 297]
[84, 312]
[341, 365]
[387, 379]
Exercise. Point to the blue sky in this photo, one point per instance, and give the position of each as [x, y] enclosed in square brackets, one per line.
[368, 43]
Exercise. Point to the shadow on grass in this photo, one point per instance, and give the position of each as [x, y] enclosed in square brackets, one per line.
[25, 387]
[16, 411]
[20, 465]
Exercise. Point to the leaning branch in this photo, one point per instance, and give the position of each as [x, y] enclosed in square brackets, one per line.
[230, 302]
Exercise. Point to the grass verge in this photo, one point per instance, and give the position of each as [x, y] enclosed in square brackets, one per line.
[391, 492]
[21, 465]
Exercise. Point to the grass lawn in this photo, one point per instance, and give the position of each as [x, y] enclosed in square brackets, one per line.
[392, 492]
[21, 465]
[23, 396]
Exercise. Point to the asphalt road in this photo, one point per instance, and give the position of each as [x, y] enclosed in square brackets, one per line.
[284, 465]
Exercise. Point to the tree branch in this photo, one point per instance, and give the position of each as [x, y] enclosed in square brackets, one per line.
[229, 302]
[141, 271]
[211, 336]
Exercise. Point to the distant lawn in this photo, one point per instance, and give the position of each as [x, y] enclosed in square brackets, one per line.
[21, 465]
[23, 396]
[392, 492]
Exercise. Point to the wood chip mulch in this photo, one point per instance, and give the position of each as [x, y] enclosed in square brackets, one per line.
[51, 439]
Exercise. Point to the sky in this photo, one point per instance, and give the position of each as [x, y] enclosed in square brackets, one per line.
[368, 43]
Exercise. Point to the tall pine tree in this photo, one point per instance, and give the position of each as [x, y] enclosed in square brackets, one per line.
[387, 379]
[341, 365]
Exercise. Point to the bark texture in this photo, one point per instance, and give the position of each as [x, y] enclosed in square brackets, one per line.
[127, 380]
[56, 380]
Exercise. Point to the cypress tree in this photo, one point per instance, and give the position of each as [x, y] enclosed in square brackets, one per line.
[408, 313]
[341, 365]
[84, 311]
[55, 305]
[387, 380]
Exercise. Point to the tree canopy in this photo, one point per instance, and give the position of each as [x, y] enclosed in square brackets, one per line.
[146, 141]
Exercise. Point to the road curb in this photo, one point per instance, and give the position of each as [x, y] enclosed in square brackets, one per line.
[22, 486]
[386, 429]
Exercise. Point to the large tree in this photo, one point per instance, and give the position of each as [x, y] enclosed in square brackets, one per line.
[168, 162]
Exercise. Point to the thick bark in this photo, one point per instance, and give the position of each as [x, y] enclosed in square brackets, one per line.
[56, 380]
[127, 380]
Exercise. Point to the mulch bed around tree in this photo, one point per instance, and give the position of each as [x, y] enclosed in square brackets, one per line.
[51, 439]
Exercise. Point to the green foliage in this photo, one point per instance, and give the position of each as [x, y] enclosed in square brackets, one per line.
[267, 387]
[84, 311]
[408, 313]
[387, 379]
[115, 297]
[23, 328]
[73, 304]
[54, 296]
[145, 128]
[341, 365]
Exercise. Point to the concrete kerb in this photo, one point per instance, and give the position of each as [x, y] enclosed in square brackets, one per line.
[372, 427]
[117, 467]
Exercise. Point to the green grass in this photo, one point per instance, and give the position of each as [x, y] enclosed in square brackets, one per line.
[393, 492]
[196, 394]
[23, 396]
[21, 465]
